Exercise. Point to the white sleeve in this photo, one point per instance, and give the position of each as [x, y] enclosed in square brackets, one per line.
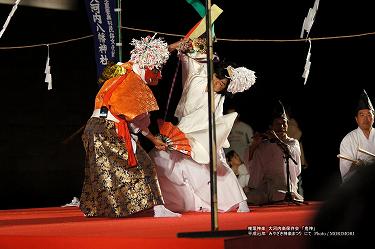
[220, 106]
[295, 169]
[190, 66]
[347, 149]
[194, 83]
[242, 170]
[249, 134]
[140, 124]
[243, 176]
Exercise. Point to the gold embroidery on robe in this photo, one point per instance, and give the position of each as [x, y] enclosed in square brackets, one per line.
[131, 98]
[111, 189]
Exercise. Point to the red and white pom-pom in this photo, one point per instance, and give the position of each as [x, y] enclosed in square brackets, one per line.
[149, 52]
[241, 79]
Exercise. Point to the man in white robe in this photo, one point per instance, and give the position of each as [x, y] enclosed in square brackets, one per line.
[361, 138]
[267, 165]
[240, 137]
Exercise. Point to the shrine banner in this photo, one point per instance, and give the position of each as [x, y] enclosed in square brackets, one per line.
[103, 22]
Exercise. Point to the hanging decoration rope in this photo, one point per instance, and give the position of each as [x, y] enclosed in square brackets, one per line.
[218, 39]
[307, 24]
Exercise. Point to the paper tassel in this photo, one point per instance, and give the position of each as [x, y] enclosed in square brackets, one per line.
[241, 79]
[309, 20]
[9, 17]
[149, 52]
[47, 71]
[306, 72]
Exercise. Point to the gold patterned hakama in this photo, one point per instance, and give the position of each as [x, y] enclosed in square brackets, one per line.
[111, 188]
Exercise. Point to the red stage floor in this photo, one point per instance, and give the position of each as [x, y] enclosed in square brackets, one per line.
[66, 227]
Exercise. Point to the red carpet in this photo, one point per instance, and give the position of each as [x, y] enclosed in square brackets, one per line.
[66, 227]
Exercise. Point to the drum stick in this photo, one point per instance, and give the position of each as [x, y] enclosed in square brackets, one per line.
[366, 152]
[346, 158]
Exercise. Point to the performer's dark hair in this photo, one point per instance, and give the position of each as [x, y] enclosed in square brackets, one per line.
[220, 69]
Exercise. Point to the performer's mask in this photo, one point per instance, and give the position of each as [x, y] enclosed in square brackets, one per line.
[152, 76]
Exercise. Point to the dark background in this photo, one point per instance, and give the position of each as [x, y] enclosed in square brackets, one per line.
[41, 154]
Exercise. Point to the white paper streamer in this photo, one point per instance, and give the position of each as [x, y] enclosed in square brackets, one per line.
[9, 17]
[309, 20]
[47, 71]
[306, 72]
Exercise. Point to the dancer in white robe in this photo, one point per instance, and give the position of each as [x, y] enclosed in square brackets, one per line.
[185, 181]
[361, 138]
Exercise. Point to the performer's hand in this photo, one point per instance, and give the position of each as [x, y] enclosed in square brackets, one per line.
[279, 138]
[159, 144]
[357, 163]
[271, 134]
[182, 45]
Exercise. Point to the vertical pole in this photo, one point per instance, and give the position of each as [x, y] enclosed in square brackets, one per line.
[288, 194]
[211, 120]
[119, 25]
